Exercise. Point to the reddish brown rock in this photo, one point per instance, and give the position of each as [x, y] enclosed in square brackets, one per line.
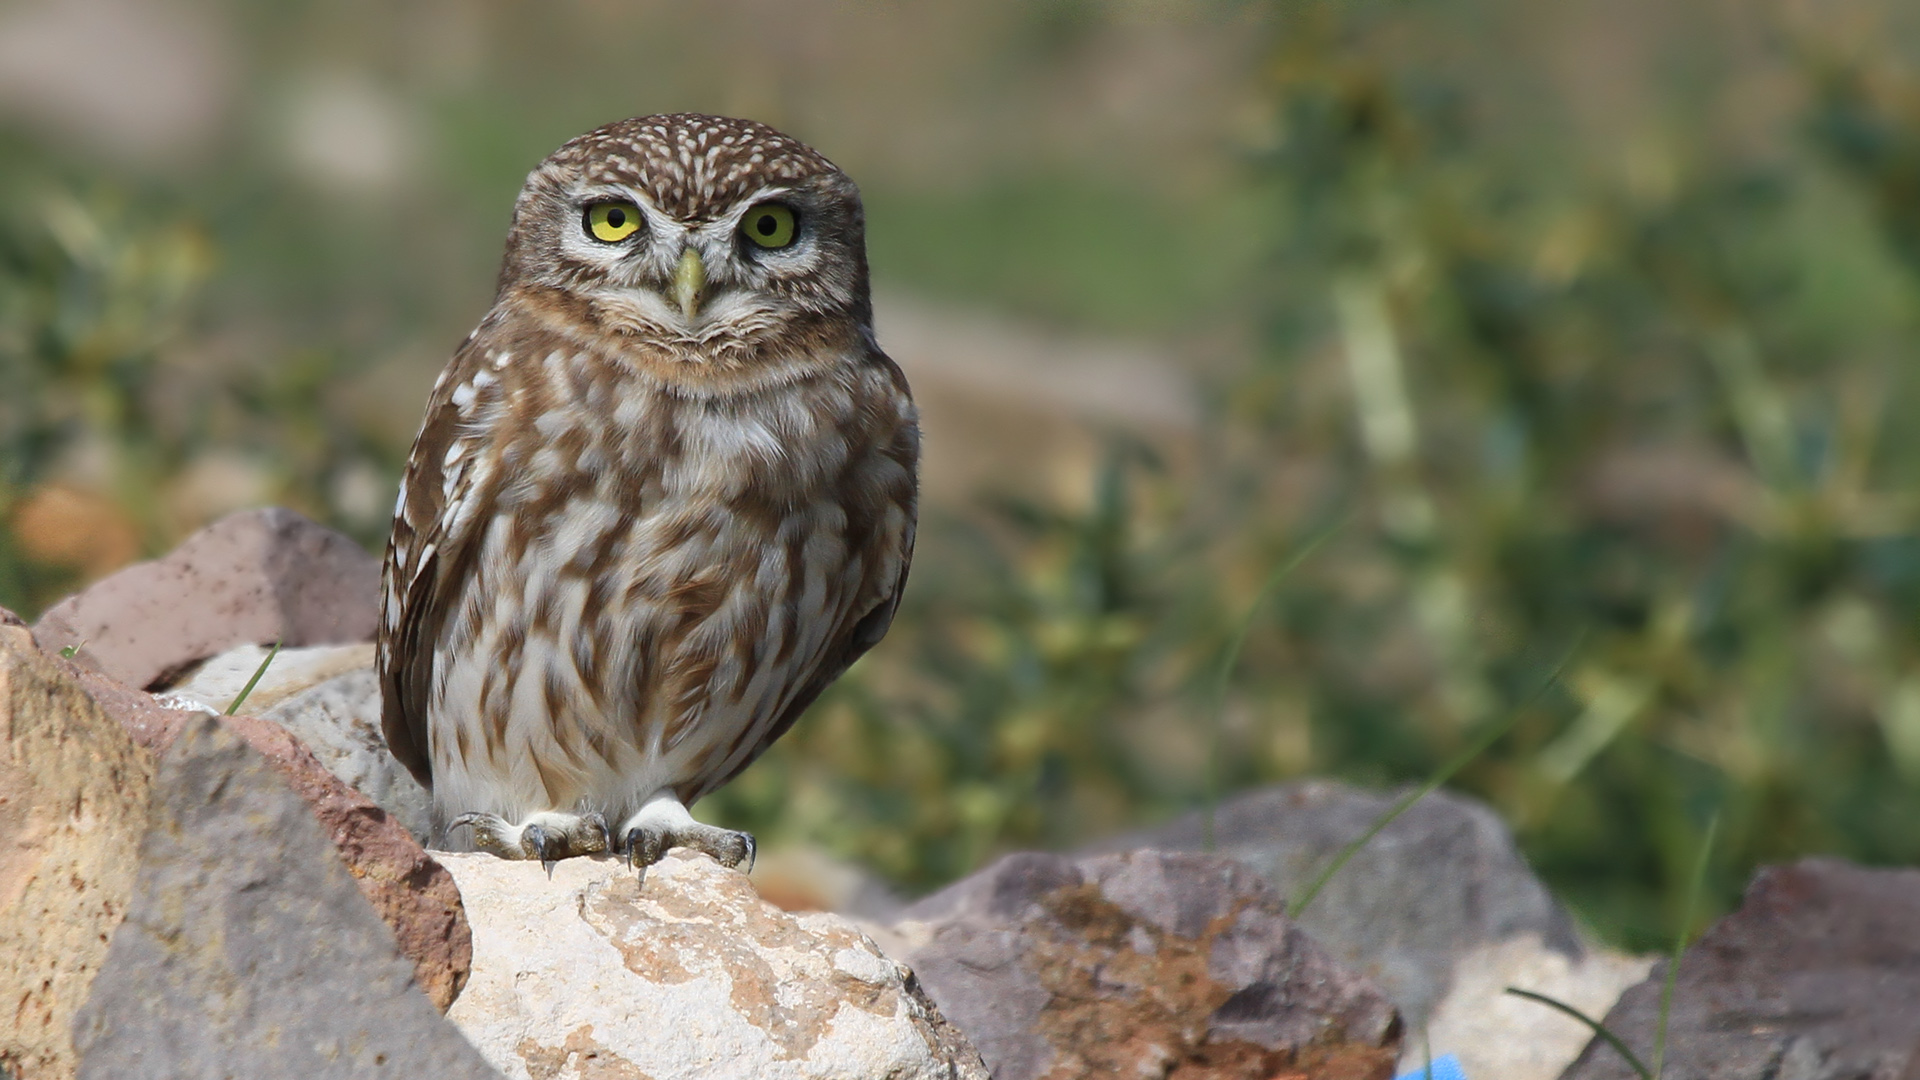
[1142, 964]
[413, 893]
[257, 576]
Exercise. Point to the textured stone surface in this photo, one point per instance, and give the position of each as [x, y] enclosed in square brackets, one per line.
[257, 576]
[1141, 964]
[247, 950]
[1441, 882]
[294, 670]
[595, 973]
[1497, 1035]
[1816, 977]
[73, 806]
[411, 891]
[329, 696]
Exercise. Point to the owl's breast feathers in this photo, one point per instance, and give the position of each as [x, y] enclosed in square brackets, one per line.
[614, 568]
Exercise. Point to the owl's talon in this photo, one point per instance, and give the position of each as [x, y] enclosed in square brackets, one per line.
[649, 841]
[548, 837]
[646, 845]
[598, 823]
[491, 834]
[543, 844]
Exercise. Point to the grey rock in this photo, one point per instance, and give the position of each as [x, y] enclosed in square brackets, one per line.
[257, 576]
[247, 949]
[1144, 963]
[339, 720]
[1442, 881]
[328, 696]
[1815, 977]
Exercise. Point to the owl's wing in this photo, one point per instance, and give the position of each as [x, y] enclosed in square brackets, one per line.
[431, 553]
[864, 634]
[864, 631]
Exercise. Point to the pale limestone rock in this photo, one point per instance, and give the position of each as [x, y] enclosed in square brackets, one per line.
[294, 670]
[1495, 1034]
[687, 974]
[73, 805]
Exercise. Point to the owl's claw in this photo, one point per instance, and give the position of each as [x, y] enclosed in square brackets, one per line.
[549, 836]
[544, 843]
[648, 843]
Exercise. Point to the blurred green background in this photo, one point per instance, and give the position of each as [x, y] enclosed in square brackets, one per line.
[1588, 329]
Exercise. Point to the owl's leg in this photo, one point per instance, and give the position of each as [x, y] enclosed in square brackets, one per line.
[548, 836]
[664, 824]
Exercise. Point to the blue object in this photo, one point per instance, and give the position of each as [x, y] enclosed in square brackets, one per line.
[1444, 1068]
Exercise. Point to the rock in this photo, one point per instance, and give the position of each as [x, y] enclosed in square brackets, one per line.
[687, 974]
[258, 576]
[73, 806]
[1141, 964]
[411, 891]
[247, 950]
[1439, 884]
[1439, 909]
[1495, 1034]
[328, 696]
[1816, 977]
[294, 670]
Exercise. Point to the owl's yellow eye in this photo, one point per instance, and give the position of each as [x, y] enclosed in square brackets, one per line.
[770, 225]
[612, 222]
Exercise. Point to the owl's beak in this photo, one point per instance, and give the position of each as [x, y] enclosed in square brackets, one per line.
[689, 280]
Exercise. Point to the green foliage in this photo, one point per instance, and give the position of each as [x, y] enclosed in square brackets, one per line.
[90, 293]
[1657, 405]
[233, 707]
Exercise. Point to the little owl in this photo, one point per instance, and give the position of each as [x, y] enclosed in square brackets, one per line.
[663, 495]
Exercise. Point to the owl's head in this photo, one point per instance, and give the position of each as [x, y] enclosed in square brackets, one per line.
[701, 236]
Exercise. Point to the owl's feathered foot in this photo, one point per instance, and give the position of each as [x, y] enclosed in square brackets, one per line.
[549, 836]
[664, 824]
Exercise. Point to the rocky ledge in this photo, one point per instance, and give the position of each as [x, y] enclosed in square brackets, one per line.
[683, 972]
[188, 893]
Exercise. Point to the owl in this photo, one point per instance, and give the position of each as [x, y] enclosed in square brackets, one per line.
[663, 495]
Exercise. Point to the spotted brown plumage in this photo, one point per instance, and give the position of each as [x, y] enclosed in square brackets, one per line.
[663, 496]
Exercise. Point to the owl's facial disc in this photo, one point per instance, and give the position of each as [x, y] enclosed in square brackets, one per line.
[745, 253]
[731, 276]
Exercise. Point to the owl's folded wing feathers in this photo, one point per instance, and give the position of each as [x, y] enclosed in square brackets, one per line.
[431, 553]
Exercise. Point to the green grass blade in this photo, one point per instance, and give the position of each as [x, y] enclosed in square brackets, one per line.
[1695, 886]
[234, 709]
[1231, 657]
[1459, 761]
[1598, 1028]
